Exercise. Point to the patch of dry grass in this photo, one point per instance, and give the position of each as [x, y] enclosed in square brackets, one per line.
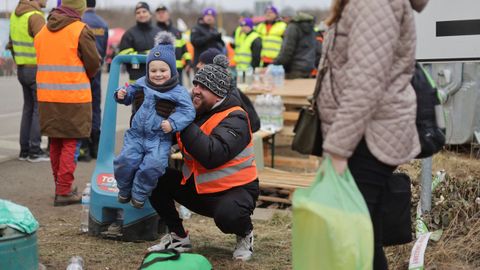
[454, 210]
[457, 214]
[60, 239]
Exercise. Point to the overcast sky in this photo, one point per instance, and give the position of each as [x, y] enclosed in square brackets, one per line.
[224, 4]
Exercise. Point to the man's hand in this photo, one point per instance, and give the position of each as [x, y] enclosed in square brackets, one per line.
[165, 108]
[166, 126]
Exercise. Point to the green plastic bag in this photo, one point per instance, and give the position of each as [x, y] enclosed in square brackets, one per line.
[170, 259]
[331, 224]
[17, 217]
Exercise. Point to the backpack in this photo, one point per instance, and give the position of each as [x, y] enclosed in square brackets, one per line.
[171, 259]
[430, 119]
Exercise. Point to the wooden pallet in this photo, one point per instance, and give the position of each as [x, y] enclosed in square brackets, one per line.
[283, 182]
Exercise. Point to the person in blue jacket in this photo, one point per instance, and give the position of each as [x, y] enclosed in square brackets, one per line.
[99, 28]
[147, 143]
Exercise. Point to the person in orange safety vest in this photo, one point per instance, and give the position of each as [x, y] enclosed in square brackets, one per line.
[219, 175]
[67, 58]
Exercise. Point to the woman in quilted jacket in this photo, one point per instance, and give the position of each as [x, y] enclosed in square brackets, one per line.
[366, 103]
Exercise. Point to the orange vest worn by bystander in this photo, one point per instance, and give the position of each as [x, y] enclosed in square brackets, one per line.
[61, 75]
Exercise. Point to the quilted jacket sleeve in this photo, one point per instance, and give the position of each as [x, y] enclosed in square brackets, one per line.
[372, 36]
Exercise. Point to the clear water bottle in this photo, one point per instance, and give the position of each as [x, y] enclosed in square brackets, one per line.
[269, 76]
[184, 213]
[249, 76]
[260, 108]
[280, 76]
[75, 263]
[268, 112]
[85, 208]
[277, 113]
[240, 77]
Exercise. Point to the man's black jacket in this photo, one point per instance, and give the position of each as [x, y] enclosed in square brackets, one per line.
[225, 142]
[203, 37]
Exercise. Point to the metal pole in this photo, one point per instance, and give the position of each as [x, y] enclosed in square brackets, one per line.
[426, 185]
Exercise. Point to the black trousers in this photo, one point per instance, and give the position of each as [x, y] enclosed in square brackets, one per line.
[371, 176]
[230, 209]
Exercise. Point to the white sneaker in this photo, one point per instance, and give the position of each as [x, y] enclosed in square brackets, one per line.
[244, 248]
[172, 240]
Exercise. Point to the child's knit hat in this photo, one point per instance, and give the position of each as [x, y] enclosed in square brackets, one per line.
[163, 51]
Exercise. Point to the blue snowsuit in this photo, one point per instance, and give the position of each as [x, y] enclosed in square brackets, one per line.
[146, 148]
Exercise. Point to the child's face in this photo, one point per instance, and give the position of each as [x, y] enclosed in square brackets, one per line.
[159, 72]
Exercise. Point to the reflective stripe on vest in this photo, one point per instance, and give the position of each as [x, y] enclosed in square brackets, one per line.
[271, 41]
[24, 51]
[243, 52]
[214, 175]
[61, 75]
[236, 172]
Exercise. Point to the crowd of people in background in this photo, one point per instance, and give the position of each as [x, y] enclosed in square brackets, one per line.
[285, 37]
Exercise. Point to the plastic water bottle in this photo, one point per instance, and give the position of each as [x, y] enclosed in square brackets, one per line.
[85, 208]
[278, 74]
[268, 112]
[184, 213]
[249, 76]
[281, 76]
[277, 113]
[75, 263]
[269, 78]
[259, 105]
[240, 78]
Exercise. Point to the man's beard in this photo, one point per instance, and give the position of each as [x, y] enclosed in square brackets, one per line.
[202, 109]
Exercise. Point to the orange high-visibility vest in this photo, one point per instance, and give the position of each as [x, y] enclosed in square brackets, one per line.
[239, 171]
[230, 54]
[61, 75]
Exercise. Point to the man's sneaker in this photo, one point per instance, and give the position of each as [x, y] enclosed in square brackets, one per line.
[23, 155]
[244, 248]
[38, 156]
[71, 198]
[172, 240]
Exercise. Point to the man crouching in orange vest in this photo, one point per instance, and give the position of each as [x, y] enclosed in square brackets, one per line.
[219, 175]
[66, 58]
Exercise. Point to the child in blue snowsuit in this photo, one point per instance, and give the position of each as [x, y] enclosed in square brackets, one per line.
[147, 143]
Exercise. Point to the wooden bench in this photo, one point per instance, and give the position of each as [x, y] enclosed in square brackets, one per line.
[283, 182]
[274, 182]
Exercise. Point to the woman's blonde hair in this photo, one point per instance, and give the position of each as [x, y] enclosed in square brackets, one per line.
[336, 11]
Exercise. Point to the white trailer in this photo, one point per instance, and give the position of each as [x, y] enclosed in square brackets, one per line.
[448, 44]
